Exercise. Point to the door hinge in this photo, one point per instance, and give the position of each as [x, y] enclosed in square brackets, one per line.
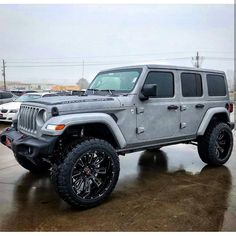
[139, 110]
[183, 108]
[140, 130]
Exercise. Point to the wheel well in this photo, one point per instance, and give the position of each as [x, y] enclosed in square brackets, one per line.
[95, 130]
[220, 117]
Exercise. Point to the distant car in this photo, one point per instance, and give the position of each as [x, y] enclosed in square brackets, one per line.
[6, 96]
[78, 93]
[63, 93]
[8, 110]
[19, 92]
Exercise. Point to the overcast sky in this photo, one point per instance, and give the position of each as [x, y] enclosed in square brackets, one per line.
[110, 36]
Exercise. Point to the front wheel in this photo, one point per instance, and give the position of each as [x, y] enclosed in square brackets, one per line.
[216, 145]
[88, 173]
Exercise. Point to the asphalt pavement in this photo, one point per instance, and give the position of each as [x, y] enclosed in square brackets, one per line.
[167, 190]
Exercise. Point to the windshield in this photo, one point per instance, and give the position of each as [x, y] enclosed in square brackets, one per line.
[28, 97]
[116, 80]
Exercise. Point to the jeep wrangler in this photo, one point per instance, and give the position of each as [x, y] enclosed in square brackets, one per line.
[79, 138]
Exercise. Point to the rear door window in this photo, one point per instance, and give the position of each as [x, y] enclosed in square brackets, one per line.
[191, 85]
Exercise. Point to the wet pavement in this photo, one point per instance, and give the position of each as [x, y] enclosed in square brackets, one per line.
[166, 190]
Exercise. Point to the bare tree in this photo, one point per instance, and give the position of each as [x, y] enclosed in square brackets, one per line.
[83, 83]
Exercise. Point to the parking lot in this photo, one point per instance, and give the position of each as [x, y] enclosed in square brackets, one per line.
[167, 190]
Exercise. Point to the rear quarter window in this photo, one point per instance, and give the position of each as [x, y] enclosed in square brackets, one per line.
[216, 85]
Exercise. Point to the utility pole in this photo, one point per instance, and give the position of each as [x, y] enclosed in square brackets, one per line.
[197, 60]
[83, 69]
[4, 74]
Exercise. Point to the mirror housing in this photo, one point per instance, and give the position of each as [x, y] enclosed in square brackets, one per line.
[148, 90]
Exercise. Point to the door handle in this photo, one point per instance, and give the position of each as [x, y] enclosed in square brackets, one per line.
[199, 106]
[172, 107]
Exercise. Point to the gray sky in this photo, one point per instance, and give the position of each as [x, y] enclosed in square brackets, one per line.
[110, 36]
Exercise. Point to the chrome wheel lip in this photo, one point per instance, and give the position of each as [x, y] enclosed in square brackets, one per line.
[92, 180]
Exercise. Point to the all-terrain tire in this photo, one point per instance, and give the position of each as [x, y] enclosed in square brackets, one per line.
[209, 149]
[37, 167]
[65, 184]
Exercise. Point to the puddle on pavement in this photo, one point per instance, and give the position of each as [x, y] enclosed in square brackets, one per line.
[165, 190]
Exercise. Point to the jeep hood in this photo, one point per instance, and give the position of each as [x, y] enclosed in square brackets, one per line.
[72, 104]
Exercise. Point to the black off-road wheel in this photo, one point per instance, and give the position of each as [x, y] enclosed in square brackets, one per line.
[88, 174]
[36, 167]
[215, 147]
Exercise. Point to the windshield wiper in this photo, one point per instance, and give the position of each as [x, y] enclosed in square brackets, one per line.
[93, 90]
[102, 90]
[108, 90]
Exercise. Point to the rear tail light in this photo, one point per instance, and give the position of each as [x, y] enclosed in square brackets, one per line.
[229, 107]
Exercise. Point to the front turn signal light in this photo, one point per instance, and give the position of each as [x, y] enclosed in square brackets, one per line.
[56, 127]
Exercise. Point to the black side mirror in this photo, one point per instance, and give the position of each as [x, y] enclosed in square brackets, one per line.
[148, 90]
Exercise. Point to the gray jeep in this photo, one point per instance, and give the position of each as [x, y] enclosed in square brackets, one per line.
[124, 110]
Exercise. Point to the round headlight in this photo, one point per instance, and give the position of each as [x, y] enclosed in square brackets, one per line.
[41, 118]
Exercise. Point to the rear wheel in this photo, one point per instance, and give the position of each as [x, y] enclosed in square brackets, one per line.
[216, 145]
[37, 166]
[88, 173]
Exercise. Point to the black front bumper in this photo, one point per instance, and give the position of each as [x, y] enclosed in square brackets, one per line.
[28, 146]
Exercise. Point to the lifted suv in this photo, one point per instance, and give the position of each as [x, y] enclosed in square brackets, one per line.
[124, 110]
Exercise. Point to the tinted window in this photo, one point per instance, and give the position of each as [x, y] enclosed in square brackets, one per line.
[6, 95]
[191, 85]
[164, 82]
[216, 85]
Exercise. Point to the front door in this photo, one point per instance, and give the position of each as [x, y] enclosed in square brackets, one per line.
[158, 118]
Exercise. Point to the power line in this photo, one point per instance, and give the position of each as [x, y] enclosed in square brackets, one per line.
[220, 58]
[100, 56]
[19, 60]
[217, 52]
[90, 63]
[197, 60]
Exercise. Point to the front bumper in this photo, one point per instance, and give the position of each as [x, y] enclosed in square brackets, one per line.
[26, 145]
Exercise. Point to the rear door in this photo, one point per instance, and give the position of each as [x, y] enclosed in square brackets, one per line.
[193, 102]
